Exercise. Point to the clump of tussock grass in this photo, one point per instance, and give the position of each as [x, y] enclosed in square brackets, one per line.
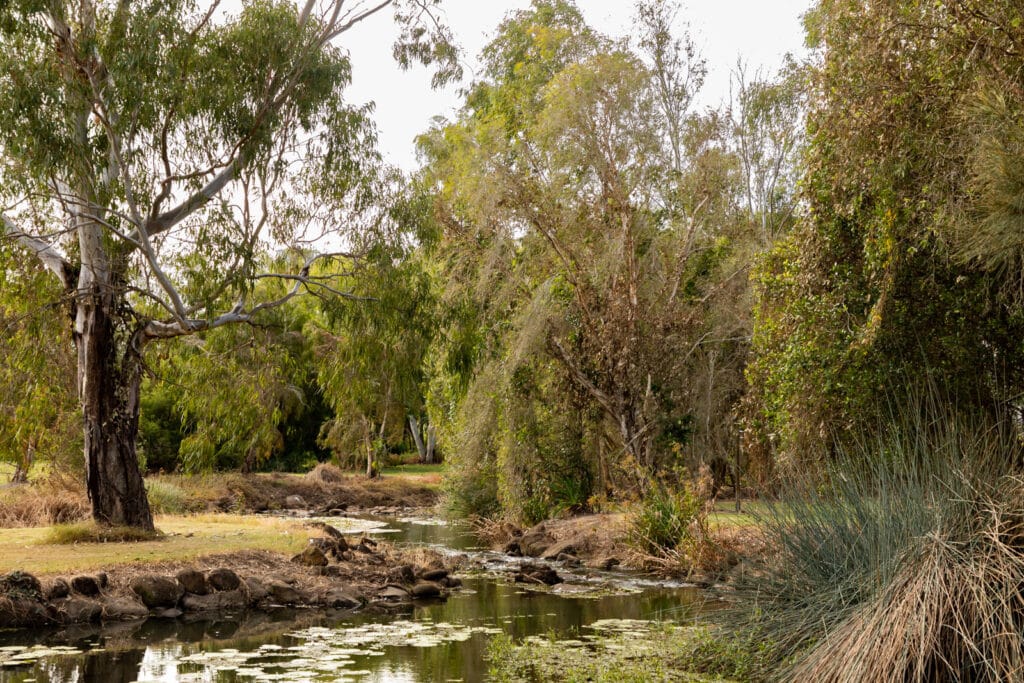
[326, 473]
[166, 498]
[905, 564]
[42, 503]
[91, 532]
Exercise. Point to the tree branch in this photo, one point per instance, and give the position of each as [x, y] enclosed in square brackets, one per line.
[52, 259]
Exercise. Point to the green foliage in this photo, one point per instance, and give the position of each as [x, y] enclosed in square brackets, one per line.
[865, 291]
[668, 521]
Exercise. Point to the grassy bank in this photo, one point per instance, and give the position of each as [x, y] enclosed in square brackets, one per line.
[185, 537]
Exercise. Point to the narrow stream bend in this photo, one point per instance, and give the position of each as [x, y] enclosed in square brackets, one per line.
[440, 641]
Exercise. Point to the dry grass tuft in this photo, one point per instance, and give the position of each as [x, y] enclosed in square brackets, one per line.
[43, 503]
[326, 473]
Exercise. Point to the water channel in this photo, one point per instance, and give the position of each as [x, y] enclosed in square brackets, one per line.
[439, 641]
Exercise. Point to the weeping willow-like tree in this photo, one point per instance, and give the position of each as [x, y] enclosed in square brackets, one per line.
[153, 152]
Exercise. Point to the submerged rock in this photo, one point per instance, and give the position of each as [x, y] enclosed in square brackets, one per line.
[537, 574]
[216, 602]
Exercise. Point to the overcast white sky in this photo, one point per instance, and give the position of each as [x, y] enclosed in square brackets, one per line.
[761, 31]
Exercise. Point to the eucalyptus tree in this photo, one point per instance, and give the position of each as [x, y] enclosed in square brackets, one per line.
[152, 152]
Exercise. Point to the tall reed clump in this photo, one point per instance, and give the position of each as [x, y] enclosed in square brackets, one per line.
[906, 564]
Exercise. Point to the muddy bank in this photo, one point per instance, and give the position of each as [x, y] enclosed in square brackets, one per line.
[334, 571]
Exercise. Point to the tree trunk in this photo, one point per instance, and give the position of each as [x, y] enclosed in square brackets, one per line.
[109, 377]
[431, 444]
[414, 427]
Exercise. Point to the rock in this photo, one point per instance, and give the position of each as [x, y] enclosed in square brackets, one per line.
[434, 575]
[172, 613]
[124, 609]
[85, 585]
[452, 581]
[535, 541]
[21, 584]
[295, 503]
[559, 548]
[22, 612]
[157, 591]
[103, 580]
[568, 560]
[331, 570]
[538, 574]
[283, 594]
[604, 563]
[402, 574]
[257, 590]
[336, 512]
[223, 579]
[347, 556]
[193, 581]
[311, 557]
[513, 548]
[57, 589]
[393, 593]
[427, 589]
[340, 598]
[81, 610]
[216, 602]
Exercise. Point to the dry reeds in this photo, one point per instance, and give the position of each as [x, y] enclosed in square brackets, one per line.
[326, 473]
[905, 566]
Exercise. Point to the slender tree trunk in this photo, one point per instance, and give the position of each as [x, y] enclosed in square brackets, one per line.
[431, 444]
[109, 377]
[414, 427]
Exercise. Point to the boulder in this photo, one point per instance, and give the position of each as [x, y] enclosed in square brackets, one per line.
[193, 581]
[295, 502]
[103, 580]
[535, 541]
[81, 610]
[21, 584]
[434, 575]
[604, 563]
[223, 579]
[85, 585]
[124, 609]
[392, 593]
[283, 594]
[57, 589]
[216, 602]
[311, 557]
[513, 548]
[157, 591]
[257, 590]
[427, 589]
[340, 598]
[560, 548]
[537, 574]
[452, 581]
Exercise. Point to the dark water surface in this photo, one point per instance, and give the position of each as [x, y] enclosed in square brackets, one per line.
[431, 642]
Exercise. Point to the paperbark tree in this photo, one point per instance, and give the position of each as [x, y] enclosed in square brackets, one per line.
[154, 153]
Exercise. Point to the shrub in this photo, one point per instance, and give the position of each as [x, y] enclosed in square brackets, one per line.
[906, 563]
[167, 499]
[668, 521]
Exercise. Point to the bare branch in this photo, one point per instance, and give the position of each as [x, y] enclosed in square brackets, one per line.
[52, 259]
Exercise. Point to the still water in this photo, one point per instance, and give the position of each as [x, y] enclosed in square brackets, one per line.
[441, 641]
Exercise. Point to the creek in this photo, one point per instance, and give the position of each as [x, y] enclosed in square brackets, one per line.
[434, 641]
